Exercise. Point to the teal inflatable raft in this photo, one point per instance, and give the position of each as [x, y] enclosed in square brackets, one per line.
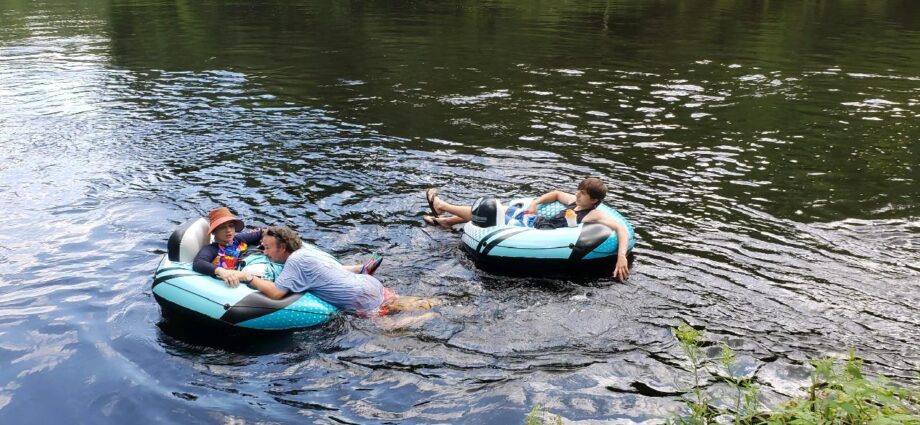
[181, 292]
[516, 250]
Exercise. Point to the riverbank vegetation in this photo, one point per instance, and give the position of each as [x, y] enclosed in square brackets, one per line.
[840, 392]
[539, 416]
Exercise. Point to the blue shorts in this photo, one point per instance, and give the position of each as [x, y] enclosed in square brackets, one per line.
[515, 216]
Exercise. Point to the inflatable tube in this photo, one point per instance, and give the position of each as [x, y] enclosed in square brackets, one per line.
[514, 250]
[182, 292]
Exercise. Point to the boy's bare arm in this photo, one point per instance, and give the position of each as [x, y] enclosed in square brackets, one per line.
[565, 198]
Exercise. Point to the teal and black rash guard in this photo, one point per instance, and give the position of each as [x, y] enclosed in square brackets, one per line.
[579, 215]
[212, 256]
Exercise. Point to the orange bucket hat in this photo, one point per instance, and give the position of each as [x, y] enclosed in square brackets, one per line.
[221, 215]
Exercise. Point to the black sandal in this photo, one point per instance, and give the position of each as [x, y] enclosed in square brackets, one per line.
[430, 198]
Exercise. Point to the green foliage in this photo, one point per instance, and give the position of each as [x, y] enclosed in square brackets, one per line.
[839, 393]
[537, 416]
[689, 339]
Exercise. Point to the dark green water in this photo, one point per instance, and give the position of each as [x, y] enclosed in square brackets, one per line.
[767, 152]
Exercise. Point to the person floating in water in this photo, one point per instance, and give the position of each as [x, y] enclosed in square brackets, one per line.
[584, 202]
[221, 259]
[308, 269]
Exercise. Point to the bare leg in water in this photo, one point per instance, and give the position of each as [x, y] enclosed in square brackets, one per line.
[397, 323]
[407, 304]
[404, 303]
[354, 268]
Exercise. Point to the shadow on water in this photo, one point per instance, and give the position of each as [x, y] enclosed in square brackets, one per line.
[548, 278]
[192, 333]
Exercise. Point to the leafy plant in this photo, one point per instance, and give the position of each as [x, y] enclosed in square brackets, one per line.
[689, 339]
[746, 402]
[537, 416]
[839, 393]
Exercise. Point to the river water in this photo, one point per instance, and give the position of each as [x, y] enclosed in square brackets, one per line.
[767, 153]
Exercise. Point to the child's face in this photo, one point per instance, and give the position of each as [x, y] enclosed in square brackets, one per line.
[224, 233]
[583, 200]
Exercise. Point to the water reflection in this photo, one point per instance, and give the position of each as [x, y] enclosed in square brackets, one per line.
[769, 173]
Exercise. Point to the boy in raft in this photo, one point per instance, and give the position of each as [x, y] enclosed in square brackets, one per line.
[584, 202]
[308, 269]
[221, 258]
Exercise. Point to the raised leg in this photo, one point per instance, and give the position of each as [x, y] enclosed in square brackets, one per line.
[462, 211]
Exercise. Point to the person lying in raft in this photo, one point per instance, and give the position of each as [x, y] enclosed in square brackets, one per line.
[221, 258]
[309, 269]
[584, 202]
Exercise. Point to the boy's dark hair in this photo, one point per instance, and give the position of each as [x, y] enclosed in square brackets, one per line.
[594, 188]
[286, 237]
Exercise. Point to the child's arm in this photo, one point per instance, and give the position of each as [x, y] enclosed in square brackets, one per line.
[202, 262]
[621, 271]
[565, 198]
[252, 237]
